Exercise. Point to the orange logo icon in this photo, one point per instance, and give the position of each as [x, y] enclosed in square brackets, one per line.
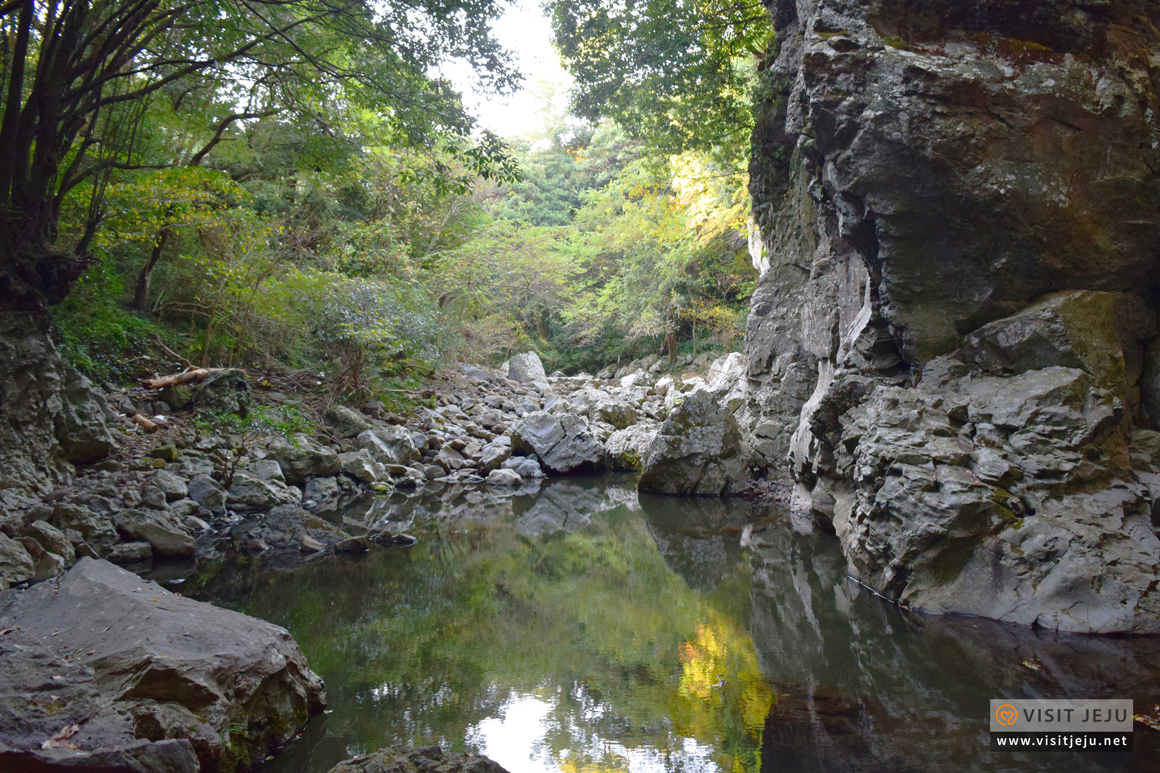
[1006, 715]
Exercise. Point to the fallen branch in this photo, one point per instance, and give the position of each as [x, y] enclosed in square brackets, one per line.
[176, 379]
[188, 365]
[146, 424]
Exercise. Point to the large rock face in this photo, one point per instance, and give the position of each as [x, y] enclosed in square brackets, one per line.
[49, 417]
[952, 347]
[142, 679]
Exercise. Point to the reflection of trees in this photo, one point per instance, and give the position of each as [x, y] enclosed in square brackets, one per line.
[862, 685]
[419, 645]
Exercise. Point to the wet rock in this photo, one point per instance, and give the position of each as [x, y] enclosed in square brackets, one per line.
[284, 527]
[389, 445]
[302, 457]
[697, 450]
[353, 545]
[149, 665]
[165, 534]
[430, 759]
[208, 493]
[564, 444]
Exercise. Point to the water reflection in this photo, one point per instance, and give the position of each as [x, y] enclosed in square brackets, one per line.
[572, 628]
[864, 686]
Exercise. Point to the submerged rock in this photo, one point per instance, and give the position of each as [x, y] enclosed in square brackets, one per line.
[429, 759]
[143, 679]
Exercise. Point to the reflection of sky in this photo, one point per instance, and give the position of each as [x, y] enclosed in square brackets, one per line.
[516, 739]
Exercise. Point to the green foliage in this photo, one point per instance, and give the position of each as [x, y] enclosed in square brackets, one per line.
[676, 72]
[243, 431]
[98, 336]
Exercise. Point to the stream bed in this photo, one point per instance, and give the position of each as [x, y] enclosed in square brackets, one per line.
[583, 628]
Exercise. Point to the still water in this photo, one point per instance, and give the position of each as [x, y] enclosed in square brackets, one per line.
[578, 627]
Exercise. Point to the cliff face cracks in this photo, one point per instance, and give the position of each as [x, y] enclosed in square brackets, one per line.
[953, 345]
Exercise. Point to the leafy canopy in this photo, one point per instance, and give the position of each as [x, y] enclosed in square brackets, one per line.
[675, 72]
[77, 78]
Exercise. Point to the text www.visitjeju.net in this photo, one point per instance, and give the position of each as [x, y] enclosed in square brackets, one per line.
[1061, 741]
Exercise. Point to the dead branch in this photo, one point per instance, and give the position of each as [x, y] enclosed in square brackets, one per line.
[188, 365]
[146, 424]
[184, 377]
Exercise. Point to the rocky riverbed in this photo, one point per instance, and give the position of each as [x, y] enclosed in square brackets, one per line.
[166, 495]
[105, 669]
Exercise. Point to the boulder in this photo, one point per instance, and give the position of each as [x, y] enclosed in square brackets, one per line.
[51, 539]
[626, 448]
[347, 422]
[523, 466]
[171, 487]
[45, 564]
[15, 563]
[97, 529]
[267, 470]
[526, 368]
[208, 493]
[223, 391]
[1097, 332]
[618, 413]
[502, 477]
[302, 457]
[166, 535]
[390, 445]
[429, 759]
[495, 453]
[129, 552]
[155, 681]
[49, 416]
[361, 466]
[697, 450]
[563, 443]
[253, 493]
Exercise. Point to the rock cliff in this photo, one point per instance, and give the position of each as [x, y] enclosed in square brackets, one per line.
[953, 344]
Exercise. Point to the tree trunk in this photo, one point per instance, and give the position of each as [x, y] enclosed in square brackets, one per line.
[141, 294]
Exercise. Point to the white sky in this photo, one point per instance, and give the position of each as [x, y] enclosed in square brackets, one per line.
[527, 33]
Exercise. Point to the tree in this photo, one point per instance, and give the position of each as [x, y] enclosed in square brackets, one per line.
[675, 72]
[77, 77]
